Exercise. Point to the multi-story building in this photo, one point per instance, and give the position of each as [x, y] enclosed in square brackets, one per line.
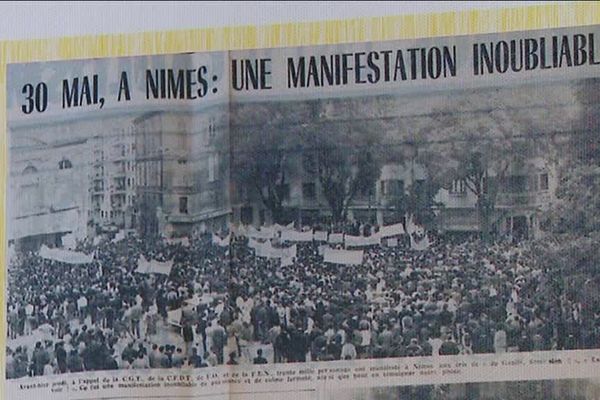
[70, 174]
[304, 201]
[113, 178]
[182, 171]
[524, 192]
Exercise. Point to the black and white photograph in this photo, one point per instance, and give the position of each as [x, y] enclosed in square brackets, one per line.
[367, 225]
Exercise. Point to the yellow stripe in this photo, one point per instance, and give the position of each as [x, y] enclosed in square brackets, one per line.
[287, 34]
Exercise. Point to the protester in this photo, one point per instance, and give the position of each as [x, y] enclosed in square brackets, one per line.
[453, 297]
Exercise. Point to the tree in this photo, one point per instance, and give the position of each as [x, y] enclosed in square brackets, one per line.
[485, 135]
[346, 164]
[571, 249]
[345, 151]
[262, 145]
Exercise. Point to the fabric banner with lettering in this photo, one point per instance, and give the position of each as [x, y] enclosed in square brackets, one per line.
[295, 236]
[252, 232]
[391, 242]
[154, 266]
[391, 230]
[266, 249]
[346, 257]
[320, 236]
[65, 256]
[269, 231]
[336, 238]
[362, 241]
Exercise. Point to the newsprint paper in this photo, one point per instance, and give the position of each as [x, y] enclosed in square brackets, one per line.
[413, 219]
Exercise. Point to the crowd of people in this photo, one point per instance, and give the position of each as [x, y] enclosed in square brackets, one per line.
[224, 305]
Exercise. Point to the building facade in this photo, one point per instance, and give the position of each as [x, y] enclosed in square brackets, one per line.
[113, 179]
[525, 191]
[48, 183]
[182, 171]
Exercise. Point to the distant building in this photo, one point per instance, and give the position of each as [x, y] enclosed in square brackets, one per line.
[305, 202]
[113, 179]
[48, 183]
[525, 191]
[182, 171]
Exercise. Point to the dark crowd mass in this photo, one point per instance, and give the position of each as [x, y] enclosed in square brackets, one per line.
[224, 305]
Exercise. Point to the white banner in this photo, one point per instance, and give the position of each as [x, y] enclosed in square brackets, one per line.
[320, 236]
[347, 257]
[362, 241]
[65, 256]
[266, 249]
[263, 249]
[391, 230]
[265, 233]
[336, 238]
[295, 236]
[154, 266]
[391, 242]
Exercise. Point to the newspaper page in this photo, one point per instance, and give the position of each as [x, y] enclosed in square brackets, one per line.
[374, 220]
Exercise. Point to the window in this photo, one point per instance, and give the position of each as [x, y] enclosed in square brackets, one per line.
[308, 191]
[65, 164]
[120, 183]
[458, 187]
[183, 205]
[544, 182]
